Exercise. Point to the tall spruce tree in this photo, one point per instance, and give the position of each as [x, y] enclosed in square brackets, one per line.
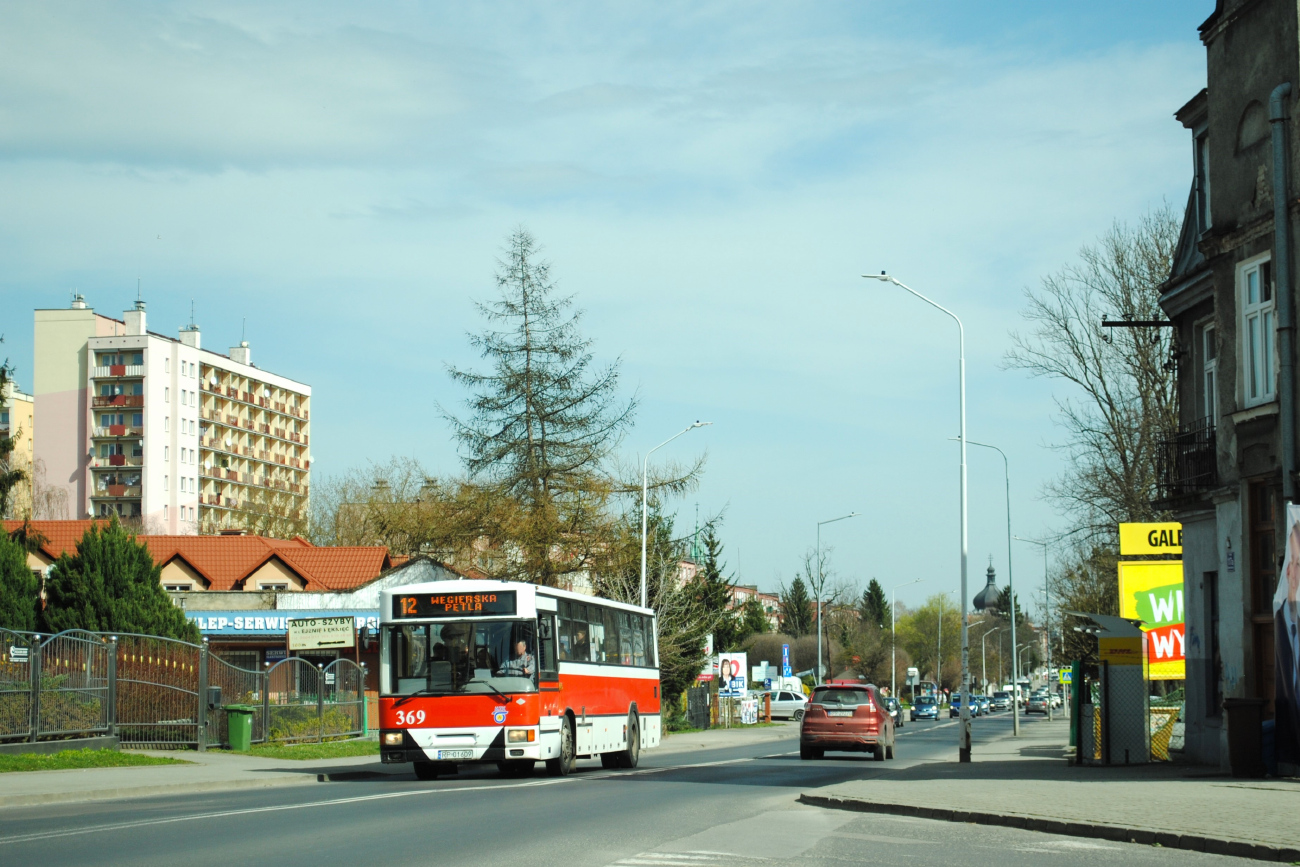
[20, 590]
[111, 584]
[874, 606]
[796, 609]
[753, 618]
[715, 594]
[542, 420]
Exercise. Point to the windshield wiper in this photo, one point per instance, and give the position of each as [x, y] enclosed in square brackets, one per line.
[494, 691]
[428, 690]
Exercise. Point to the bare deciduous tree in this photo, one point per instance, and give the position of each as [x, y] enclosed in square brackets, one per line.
[1122, 403]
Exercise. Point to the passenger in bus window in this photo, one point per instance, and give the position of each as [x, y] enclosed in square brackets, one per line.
[598, 642]
[566, 638]
[581, 645]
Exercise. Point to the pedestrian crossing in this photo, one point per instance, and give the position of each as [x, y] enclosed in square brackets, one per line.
[696, 858]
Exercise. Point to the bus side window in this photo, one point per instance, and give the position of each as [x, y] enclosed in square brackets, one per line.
[624, 638]
[598, 638]
[651, 654]
[546, 645]
[638, 639]
[611, 637]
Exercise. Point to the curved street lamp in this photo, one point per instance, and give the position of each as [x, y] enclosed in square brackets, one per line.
[820, 582]
[645, 470]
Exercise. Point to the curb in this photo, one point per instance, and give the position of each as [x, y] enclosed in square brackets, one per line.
[1114, 833]
[129, 792]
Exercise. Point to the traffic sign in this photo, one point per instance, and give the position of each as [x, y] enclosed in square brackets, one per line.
[1067, 675]
[785, 660]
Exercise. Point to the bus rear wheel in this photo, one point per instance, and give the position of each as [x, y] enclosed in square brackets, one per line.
[562, 765]
[629, 757]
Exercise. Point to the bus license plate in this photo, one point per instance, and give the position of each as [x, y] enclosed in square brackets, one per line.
[839, 713]
[447, 755]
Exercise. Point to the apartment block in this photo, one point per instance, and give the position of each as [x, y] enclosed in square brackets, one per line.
[159, 430]
[16, 422]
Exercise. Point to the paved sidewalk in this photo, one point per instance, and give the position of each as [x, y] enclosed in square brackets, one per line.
[217, 771]
[1026, 782]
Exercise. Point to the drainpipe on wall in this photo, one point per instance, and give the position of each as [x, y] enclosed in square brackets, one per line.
[1277, 117]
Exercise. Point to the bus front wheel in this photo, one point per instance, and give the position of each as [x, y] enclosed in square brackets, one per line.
[563, 764]
[629, 757]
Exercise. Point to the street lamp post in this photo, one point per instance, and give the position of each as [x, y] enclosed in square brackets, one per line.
[984, 660]
[1011, 583]
[963, 737]
[893, 639]
[938, 663]
[1047, 612]
[645, 470]
[820, 582]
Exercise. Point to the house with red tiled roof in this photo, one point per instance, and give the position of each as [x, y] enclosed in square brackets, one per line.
[230, 562]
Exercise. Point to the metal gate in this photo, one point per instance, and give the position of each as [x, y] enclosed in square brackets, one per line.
[343, 699]
[15, 685]
[158, 691]
[293, 698]
[697, 707]
[238, 686]
[74, 695]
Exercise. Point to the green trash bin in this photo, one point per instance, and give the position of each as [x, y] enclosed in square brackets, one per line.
[239, 726]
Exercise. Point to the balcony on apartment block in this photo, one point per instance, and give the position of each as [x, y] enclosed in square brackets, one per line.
[116, 492]
[102, 461]
[103, 400]
[1186, 465]
[118, 371]
[116, 430]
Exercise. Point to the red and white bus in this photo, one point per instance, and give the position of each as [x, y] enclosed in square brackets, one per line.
[499, 671]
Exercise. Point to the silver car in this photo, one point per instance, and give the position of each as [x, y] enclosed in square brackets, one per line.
[787, 704]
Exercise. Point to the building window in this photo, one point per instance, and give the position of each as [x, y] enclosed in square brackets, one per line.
[178, 588]
[1257, 327]
[167, 365]
[167, 424]
[164, 483]
[164, 513]
[167, 395]
[274, 586]
[167, 453]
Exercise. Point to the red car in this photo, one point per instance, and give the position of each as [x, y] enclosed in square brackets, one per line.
[847, 718]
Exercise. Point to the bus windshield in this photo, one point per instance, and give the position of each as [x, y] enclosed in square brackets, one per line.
[462, 657]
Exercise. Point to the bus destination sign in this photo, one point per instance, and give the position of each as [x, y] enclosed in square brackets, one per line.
[454, 604]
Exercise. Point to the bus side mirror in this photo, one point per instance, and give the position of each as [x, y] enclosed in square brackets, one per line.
[544, 628]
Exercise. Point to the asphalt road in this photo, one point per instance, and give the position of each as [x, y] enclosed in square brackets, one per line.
[701, 808]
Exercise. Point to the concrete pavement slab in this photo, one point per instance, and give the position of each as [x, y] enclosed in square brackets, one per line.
[1026, 782]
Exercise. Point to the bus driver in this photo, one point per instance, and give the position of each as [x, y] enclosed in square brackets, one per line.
[521, 664]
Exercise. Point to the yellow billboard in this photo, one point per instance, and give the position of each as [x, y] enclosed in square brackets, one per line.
[1143, 540]
[1152, 591]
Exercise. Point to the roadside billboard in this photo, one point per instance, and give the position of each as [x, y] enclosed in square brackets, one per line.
[1286, 646]
[732, 681]
[1152, 591]
[317, 633]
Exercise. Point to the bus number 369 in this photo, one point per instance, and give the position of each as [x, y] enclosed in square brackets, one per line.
[410, 718]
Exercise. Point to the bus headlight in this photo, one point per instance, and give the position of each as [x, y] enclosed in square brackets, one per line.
[520, 736]
[392, 739]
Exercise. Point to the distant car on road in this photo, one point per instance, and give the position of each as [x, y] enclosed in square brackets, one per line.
[925, 707]
[787, 704]
[1037, 704]
[986, 704]
[895, 708]
[1001, 701]
[954, 707]
[848, 718]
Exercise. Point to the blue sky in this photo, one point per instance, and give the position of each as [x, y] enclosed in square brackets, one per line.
[710, 180]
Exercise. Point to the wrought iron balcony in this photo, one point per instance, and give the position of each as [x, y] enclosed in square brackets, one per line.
[1186, 464]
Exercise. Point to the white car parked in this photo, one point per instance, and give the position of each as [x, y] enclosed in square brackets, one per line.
[787, 704]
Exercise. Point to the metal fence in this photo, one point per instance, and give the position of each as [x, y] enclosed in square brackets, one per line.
[160, 692]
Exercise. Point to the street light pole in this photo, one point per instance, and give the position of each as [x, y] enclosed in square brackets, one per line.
[938, 664]
[1047, 614]
[820, 582]
[984, 659]
[1011, 583]
[893, 639]
[963, 737]
[645, 471]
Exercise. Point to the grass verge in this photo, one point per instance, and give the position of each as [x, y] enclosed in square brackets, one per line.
[66, 760]
[331, 750]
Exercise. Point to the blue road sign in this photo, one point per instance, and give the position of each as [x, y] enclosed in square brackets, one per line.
[785, 660]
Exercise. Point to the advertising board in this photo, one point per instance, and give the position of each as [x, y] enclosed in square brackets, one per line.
[316, 633]
[1152, 591]
[732, 681]
[1286, 647]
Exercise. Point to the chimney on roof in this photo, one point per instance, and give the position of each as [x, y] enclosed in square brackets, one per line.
[134, 319]
[190, 335]
[241, 354]
[78, 301]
